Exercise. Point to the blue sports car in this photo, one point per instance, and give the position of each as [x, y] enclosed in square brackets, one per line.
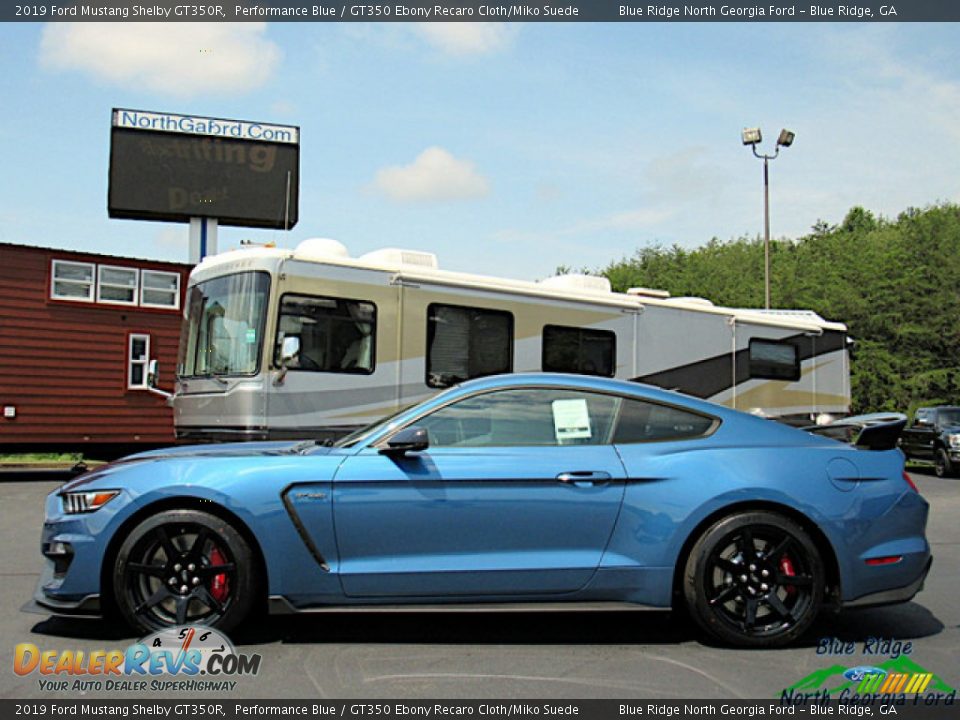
[529, 491]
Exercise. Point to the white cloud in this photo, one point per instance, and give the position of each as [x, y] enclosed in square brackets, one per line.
[179, 59]
[435, 174]
[465, 38]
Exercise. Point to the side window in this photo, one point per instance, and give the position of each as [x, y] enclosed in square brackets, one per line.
[117, 285]
[774, 360]
[465, 342]
[138, 356]
[332, 334]
[524, 417]
[160, 289]
[579, 350]
[72, 280]
[642, 421]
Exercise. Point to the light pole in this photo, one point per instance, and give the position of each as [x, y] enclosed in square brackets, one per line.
[752, 137]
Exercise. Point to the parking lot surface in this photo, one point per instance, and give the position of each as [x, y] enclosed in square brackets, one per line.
[505, 655]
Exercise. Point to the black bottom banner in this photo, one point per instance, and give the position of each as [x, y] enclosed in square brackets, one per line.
[879, 706]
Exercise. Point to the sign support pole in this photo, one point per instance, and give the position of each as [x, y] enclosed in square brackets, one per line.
[203, 238]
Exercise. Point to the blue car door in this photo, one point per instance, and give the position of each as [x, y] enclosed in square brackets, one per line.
[518, 493]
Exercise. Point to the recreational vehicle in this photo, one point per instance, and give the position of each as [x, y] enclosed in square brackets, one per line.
[311, 343]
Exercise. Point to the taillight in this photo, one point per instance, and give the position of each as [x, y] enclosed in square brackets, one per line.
[910, 481]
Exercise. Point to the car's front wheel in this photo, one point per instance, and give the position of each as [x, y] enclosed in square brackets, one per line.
[942, 466]
[754, 579]
[182, 567]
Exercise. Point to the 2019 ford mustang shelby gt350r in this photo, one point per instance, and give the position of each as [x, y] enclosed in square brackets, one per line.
[538, 491]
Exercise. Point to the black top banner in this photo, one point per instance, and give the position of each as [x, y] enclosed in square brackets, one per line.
[487, 11]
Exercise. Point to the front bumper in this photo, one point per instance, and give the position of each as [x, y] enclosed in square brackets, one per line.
[894, 596]
[46, 604]
[69, 582]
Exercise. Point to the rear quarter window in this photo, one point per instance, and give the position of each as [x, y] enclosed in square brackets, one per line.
[642, 421]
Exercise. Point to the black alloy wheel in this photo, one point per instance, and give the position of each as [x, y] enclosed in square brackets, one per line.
[184, 567]
[754, 579]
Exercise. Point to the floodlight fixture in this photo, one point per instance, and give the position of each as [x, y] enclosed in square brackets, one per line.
[751, 136]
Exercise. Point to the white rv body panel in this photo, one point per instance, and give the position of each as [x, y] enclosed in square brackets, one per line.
[687, 344]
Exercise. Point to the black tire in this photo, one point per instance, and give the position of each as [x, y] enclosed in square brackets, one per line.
[754, 579]
[942, 467]
[185, 567]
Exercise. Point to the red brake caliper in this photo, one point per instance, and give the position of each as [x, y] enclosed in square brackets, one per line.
[219, 585]
[786, 567]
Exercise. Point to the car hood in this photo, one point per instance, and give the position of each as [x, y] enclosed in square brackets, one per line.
[185, 452]
[238, 449]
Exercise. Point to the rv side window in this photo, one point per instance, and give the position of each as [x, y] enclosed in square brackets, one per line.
[774, 360]
[333, 334]
[465, 342]
[579, 350]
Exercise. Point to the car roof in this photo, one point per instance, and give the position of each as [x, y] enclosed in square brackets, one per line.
[592, 382]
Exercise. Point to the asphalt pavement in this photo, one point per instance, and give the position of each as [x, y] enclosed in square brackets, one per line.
[497, 656]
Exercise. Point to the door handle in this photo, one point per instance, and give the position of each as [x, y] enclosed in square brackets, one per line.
[584, 478]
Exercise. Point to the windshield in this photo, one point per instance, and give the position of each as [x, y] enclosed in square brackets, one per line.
[361, 434]
[384, 423]
[950, 417]
[223, 325]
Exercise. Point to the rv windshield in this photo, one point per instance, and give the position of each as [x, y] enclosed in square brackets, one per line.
[223, 326]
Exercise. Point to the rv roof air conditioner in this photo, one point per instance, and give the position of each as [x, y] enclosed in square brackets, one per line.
[703, 302]
[397, 257]
[648, 292]
[578, 282]
[321, 249]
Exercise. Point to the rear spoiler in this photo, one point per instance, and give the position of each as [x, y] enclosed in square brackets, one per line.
[877, 431]
[882, 436]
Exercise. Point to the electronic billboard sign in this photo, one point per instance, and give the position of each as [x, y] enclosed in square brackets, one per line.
[172, 167]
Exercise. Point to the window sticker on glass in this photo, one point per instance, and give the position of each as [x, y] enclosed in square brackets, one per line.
[251, 336]
[571, 419]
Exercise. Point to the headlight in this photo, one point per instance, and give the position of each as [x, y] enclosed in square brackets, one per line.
[954, 440]
[84, 502]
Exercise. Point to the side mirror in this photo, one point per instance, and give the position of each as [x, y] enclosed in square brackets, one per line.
[153, 373]
[289, 349]
[410, 439]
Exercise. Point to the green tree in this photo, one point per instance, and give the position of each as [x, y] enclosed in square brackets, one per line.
[896, 284]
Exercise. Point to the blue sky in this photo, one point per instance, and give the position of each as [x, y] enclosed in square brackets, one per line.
[507, 149]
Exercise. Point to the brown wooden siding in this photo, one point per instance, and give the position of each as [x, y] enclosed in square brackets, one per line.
[63, 365]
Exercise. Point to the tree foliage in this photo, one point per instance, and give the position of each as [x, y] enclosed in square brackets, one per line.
[895, 283]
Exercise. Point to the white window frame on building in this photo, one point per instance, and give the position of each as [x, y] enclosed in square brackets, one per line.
[142, 361]
[174, 292]
[134, 288]
[54, 280]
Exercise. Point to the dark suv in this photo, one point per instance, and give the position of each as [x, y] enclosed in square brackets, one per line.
[934, 436]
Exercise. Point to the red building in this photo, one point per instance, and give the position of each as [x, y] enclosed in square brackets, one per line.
[77, 333]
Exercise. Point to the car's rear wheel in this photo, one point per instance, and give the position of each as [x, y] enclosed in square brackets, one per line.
[754, 579]
[942, 466]
[184, 567]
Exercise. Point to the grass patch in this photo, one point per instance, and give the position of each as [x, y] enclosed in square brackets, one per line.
[26, 458]
[45, 460]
